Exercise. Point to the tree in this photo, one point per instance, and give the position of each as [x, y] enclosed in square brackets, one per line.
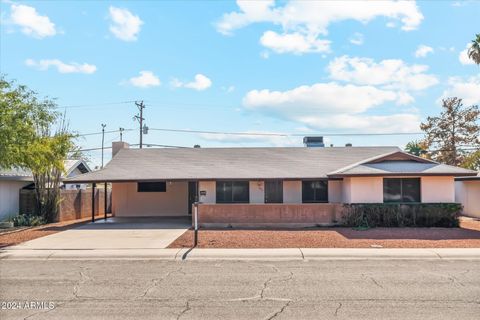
[22, 114]
[455, 128]
[417, 148]
[472, 161]
[27, 141]
[474, 50]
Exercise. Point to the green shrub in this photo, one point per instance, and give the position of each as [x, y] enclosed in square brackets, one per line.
[23, 220]
[369, 215]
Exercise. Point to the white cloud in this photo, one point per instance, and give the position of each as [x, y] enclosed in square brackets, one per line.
[31, 22]
[357, 39]
[62, 67]
[463, 56]
[125, 25]
[305, 21]
[296, 43]
[401, 122]
[333, 106]
[468, 90]
[391, 73]
[200, 83]
[317, 99]
[422, 51]
[146, 79]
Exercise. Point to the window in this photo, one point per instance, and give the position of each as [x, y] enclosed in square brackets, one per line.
[401, 190]
[152, 186]
[273, 191]
[315, 191]
[233, 192]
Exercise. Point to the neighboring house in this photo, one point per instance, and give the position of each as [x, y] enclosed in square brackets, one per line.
[467, 192]
[293, 184]
[12, 181]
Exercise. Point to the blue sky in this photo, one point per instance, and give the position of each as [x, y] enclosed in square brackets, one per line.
[260, 67]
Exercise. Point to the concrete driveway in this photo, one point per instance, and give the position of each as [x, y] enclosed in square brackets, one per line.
[115, 233]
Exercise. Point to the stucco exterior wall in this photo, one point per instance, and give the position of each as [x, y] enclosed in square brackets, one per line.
[335, 192]
[257, 191]
[437, 189]
[127, 202]
[292, 191]
[210, 188]
[9, 197]
[363, 190]
[468, 194]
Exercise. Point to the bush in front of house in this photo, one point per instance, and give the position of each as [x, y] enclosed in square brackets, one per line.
[24, 220]
[370, 215]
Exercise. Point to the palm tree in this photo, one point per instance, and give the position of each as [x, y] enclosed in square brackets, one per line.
[474, 51]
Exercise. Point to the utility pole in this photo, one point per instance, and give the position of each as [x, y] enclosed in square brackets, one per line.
[103, 139]
[140, 119]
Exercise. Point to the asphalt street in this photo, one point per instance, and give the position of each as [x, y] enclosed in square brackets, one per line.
[156, 289]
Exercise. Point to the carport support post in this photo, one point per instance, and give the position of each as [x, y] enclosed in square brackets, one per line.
[105, 203]
[93, 201]
[195, 233]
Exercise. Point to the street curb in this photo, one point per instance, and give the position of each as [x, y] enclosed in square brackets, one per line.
[244, 254]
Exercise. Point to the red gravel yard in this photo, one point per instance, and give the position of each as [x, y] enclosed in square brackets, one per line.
[467, 236]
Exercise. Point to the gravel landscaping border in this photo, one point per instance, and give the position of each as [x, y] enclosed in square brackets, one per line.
[467, 236]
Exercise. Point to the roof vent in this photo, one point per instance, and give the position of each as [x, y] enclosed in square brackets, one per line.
[313, 142]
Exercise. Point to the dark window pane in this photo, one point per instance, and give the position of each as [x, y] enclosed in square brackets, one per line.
[273, 191]
[411, 190]
[232, 191]
[392, 190]
[315, 191]
[401, 190]
[152, 186]
[224, 191]
[321, 191]
[241, 191]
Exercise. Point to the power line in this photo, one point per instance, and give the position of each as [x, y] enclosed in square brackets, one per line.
[94, 104]
[265, 133]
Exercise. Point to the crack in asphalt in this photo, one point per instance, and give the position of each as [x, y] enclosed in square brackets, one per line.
[83, 278]
[155, 282]
[454, 280]
[280, 311]
[338, 308]
[373, 280]
[185, 310]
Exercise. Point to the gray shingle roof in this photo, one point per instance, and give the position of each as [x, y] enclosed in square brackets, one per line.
[19, 174]
[229, 163]
[404, 168]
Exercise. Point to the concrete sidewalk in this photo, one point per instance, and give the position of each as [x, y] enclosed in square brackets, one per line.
[15, 253]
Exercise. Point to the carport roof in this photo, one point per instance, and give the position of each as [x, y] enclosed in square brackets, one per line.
[229, 163]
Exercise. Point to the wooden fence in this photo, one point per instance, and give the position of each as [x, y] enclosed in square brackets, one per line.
[74, 204]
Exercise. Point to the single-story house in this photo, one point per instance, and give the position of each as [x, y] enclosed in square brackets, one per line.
[467, 192]
[13, 180]
[301, 185]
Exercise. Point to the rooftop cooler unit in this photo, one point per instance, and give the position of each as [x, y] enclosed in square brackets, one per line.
[311, 142]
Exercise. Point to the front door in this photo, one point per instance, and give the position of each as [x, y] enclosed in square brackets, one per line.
[192, 194]
[273, 191]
